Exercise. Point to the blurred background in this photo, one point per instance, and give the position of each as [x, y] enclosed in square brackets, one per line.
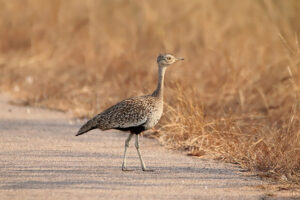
[236, 95]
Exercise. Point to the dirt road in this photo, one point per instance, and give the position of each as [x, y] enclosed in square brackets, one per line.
[42, 159]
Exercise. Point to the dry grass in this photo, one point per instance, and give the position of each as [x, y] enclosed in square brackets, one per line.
[236, 95]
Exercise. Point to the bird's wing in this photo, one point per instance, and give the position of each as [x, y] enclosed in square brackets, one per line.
[128, 113]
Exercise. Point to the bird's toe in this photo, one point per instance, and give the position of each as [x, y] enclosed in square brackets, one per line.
[126, 170]
[148, 170]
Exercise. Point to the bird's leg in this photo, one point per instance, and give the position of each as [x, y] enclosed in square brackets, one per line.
[126, 146]
[137, 146]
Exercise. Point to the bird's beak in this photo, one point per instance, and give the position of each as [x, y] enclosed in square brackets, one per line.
[180, 59]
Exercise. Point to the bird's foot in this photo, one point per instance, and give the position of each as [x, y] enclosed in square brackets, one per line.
[148, 170]
[124, 169]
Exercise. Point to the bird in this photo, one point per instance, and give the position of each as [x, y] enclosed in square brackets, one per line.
[136, 114]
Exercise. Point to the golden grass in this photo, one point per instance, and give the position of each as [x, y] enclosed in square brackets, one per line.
[235, 96]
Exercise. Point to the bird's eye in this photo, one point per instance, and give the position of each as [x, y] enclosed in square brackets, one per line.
[169, 58]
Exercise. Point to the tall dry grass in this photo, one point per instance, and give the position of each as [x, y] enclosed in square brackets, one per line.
[235, 96]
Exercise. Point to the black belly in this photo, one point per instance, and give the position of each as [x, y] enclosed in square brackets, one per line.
[133, 129]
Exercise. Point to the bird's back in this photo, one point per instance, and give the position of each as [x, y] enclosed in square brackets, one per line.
[137, 113]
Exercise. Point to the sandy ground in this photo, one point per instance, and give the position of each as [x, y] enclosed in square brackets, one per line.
[40, 158]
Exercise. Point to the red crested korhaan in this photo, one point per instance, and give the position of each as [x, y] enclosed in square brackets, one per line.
[136, 114]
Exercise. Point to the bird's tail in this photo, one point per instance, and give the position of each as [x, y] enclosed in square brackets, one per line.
[89, 125]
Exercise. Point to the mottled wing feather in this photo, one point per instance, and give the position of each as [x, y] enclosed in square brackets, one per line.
[128, 113]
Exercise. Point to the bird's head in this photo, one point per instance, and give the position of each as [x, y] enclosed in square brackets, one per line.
[165, 60]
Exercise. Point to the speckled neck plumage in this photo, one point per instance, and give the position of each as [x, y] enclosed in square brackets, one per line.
[159, 92]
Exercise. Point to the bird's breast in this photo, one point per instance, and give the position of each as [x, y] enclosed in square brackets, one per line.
[154, 116]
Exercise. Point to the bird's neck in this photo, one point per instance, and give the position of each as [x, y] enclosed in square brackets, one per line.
[159, 92]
